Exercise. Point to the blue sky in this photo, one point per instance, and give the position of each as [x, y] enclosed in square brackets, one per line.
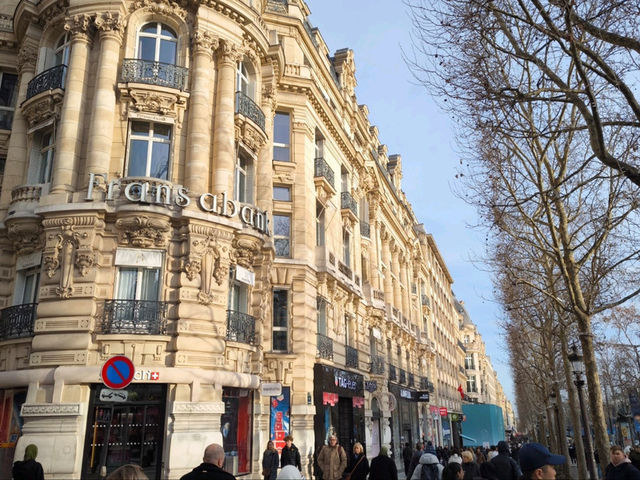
[411, 125]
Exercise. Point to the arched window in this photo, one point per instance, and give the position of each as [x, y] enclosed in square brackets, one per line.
[157, 43]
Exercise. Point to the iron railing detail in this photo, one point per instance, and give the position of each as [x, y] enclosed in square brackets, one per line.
[348, 202]
[17, 321]
[325, 347]
[322, 169]
[425, 300]
[241, 327]
[351, 355]
[377, 365]
[403, 376]
[411, 381]
[162, 74]
[138, 317]
[392, 373]
[250, 109]
[47, 80]
[345, 270]
[365, 229]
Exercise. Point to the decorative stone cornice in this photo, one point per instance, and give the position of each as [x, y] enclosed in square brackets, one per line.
[42, 107]
[208, 408]
[52, 12]
[252, 137]
[143, 231]
[26, 236]
[27, 57]
[50, 409]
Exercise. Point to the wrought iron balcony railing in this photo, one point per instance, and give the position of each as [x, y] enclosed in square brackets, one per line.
[351, 355]
[325, 347]
[241, 327]
[138, 317]
[322, 169]
[403, 376]
[47, 80]
[462, 346]
[424, 383]
[392, 373]
[377, 365]
[348, 202]
[250, 109]
[168, 75]
[345, 270]
[425, 300]
[365, 230]
[17, 321]
[411, 380]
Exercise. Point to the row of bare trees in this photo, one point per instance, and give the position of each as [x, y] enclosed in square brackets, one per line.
[544, 93]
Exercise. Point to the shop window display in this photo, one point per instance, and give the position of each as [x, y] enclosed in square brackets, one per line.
[237, 430]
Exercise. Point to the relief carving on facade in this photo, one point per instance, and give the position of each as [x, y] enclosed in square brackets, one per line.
[67, 241]
[27, 57]
[109, 22]
[43, 107]
[203, 41]
[136, 100]
[206, 259]
[160, 7]
[249, 135]
[79, 26]
[26, 237]
[244, 251]
[56, 9]
[143, 231]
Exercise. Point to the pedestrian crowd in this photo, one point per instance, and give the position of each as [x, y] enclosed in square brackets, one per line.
[531, 461]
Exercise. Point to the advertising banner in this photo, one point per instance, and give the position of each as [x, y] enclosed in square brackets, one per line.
[280, 418]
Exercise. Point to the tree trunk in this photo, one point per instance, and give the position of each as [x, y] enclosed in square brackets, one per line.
[561, 429]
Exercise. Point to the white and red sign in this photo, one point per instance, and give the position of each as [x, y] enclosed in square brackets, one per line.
[443, 411]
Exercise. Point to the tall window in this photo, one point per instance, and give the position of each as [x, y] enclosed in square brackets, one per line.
[373, 347]
[322, 315]
[319, 224]
[346, 247]
[468, 362]
[282, 235]
[238, 295]
[26, 289]
[157, 43]
[281, 137]
[149, 150]
[60, 52]
[243, 191]
[280, 332]
[282, 193]
[344, 180]
[244, 83]
[138, 283]
[8, 96]
[41, 157]
[348, 334]
[471, 384]
[319, 145]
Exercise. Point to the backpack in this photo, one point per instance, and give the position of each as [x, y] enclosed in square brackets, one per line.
[429, 471]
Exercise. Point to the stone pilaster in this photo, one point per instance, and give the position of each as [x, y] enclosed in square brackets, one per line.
[110, 28]
[224, 127]
[199, 134]
[17, 154]
[388, 281]
[69, 134]
[264, 169]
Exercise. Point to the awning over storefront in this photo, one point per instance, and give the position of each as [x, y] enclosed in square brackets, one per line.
[468, 438]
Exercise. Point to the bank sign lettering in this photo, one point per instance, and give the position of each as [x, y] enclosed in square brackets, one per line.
[166, 195]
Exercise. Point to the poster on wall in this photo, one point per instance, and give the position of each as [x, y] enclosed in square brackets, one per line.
[280, 421]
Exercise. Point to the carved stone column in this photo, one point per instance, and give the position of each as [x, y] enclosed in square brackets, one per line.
[386, 258]
[199, 134]
[397, 289]
[264, 169]
[17, 154]
[224, 131]
[374, 261]
[111, 28]
[404, 277]
[68, 138]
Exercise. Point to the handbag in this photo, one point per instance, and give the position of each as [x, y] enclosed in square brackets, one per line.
[348, 475]
[266, 472]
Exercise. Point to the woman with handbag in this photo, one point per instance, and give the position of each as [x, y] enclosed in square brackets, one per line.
[358, 464]
[270, 462]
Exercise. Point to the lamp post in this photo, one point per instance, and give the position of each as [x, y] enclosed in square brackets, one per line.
[578, 369]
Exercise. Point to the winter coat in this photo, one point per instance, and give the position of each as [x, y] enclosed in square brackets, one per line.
[332, 461]
[427, 459]
[623, 471]
[27, 470]
[207, 471]
[360, 471]
[634, 456]
[471, 469]
[290, 456]
[270, 462]
[383, 468]
[506, 467]
[289, 472]
[415, 461]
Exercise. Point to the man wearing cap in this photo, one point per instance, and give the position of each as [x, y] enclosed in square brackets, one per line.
[538, 463]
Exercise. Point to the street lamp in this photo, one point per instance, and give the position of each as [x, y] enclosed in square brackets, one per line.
[578, 370]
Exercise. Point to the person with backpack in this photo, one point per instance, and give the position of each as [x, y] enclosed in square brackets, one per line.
[429, 468]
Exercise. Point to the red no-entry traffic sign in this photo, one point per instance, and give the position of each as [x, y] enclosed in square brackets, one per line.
[117, 372]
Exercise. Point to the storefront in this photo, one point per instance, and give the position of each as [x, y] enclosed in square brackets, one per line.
[10, 424]
[339, 402]
[405, 427]
[236, 429]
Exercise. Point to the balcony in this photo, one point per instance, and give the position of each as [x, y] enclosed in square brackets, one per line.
[425, 384]
[351, 355]
[411, 381]
[324, 180]
[48, 80]
[241, 327]
[325, 347]
[392, 373]
[246, 107]
[377, 365]
[17, 321]
[424, 299]
[136, 317]
[461, 345]
[168, 75]
[365, 230]
[462, 370]
[348, 206]
[403, 376]
[345, 270]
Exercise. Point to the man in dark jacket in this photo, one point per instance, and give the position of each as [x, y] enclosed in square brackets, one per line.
[382, 467]
[415, 459]
[506, 467]
[28, 469]
[620, 467]
[290, 454]
[407, 453]
[211, 466]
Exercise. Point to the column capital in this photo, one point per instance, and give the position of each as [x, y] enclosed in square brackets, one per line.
[27, 57]
[79, 26]
[229, 52]
[110, 24]
[204, 42]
